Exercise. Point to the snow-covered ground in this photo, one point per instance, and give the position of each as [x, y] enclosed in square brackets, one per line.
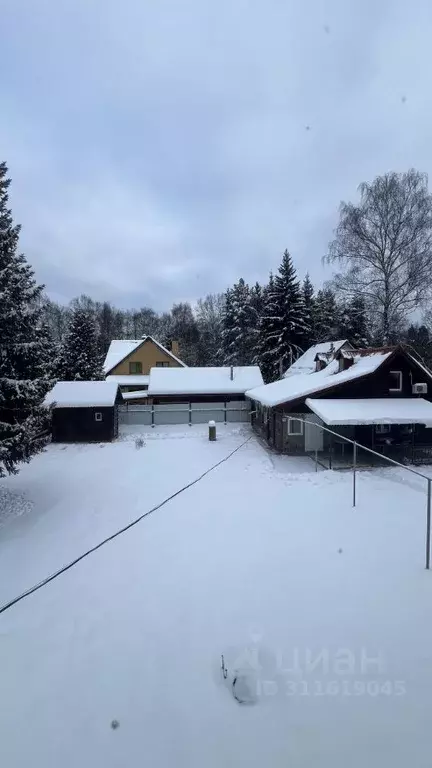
[322, 611]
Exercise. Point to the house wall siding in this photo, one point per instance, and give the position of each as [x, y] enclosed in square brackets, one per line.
[160, 399]
[70, 425]
[271, 424]
[148, 354]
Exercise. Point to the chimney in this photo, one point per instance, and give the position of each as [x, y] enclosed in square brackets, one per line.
[175, 348]
[232, 373]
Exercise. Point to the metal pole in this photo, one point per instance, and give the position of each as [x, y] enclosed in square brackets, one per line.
[354, 473]
[428, 525]
[152, 415]
[190, 414]
[316, 460]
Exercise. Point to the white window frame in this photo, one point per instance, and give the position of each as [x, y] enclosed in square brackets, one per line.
[291, 427]
[382, 429]
[399, 388]
[98, 416]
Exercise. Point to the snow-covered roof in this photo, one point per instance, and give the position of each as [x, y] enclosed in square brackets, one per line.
[134, 395]
[206, 381]
[121, 348]
[306, 362]
[297, 387]
[118, 350]
[133, 380]
[82, 394]
[378, 410]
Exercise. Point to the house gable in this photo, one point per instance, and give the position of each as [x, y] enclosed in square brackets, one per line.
[306, 363]
[149, 353]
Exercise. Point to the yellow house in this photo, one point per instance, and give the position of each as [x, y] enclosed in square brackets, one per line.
[128, 362]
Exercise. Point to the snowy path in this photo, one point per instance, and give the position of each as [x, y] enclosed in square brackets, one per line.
[260, 560]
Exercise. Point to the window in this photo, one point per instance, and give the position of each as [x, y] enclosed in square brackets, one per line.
[395, 381]
[382, 429]
[98, 416]
[135, 367]
[295, 427]
[162, 365]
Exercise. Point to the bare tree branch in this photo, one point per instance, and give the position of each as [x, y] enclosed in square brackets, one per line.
[385, 245]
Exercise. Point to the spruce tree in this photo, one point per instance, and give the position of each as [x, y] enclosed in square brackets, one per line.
[209, 320]
[241, 349]
[23, 380]
[291, 329]
[256, 300]
[309, 302]
[184, 329]
[266, 352]
[228, 330]
[419, 340]
[80, 359]
[354, 324]
[326, 316]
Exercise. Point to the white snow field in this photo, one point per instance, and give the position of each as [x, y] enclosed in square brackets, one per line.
[323, 612]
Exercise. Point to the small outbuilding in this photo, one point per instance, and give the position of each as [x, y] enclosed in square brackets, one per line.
[84, 411]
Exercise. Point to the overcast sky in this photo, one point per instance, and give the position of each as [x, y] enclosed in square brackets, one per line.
[162, 149]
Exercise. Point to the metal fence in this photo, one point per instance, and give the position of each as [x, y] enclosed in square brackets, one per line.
[357, 451]
[185, 413]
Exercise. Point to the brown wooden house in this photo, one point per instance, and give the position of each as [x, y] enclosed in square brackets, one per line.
[380, 398]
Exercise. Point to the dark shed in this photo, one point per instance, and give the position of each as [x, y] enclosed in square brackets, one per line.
[84, 411]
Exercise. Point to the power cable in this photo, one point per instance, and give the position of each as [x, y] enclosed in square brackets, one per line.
[65, 568]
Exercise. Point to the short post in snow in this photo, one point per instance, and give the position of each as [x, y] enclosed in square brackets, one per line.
[428, 525]
[212, 431]
[316, 460]
[354, 472]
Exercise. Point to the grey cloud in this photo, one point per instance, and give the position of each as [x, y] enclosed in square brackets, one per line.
[159, 150]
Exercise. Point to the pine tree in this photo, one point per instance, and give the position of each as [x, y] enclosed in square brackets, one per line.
[266, 354]
[23, 384]
[309, 302]
[80, 358]
[290, 330]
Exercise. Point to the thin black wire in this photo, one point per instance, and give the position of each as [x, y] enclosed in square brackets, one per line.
[65, 568]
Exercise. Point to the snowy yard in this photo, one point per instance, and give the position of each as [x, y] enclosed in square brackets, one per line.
[325, 610]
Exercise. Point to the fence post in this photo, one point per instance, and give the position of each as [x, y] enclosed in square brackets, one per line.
[190, 414]
[428, 525]
[354, 473]
[316, 460]
[225, 412]
[152, 415]
[330, 452]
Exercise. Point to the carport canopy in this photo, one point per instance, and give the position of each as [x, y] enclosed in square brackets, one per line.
[402, 410]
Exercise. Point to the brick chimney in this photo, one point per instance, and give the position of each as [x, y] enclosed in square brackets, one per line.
[175, 348]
